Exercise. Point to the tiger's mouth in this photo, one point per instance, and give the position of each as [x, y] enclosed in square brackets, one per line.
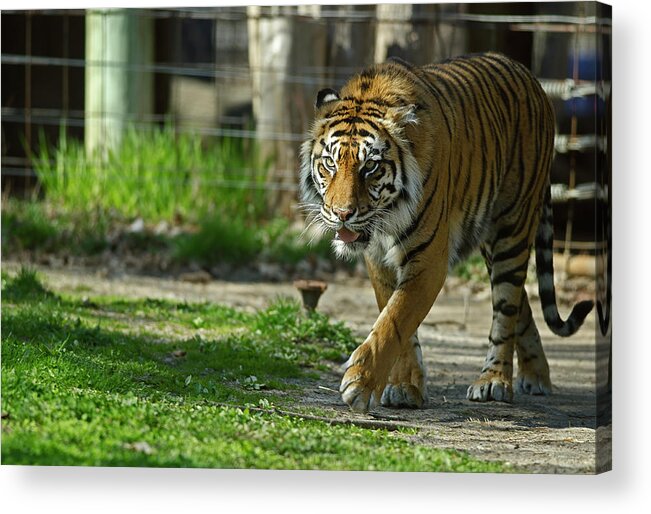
[349, 237]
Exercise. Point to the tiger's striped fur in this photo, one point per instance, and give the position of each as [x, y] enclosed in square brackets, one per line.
[415, 167]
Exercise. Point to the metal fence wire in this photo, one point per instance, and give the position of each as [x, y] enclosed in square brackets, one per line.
[252, 73]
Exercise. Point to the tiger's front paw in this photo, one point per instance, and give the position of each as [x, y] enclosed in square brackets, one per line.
[402, 395]
[491, 386]
[361, 385]
[407, 386]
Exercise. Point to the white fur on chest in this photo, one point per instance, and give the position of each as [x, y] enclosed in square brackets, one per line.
[383, 249]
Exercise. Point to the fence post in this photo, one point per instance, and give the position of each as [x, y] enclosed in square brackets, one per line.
[280, 46]
[118, 91]
[353, 43]
[414, 33]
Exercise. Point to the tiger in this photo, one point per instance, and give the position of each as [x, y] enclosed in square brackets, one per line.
[415, 167]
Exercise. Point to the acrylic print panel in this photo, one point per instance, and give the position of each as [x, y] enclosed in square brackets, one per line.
[205, 207]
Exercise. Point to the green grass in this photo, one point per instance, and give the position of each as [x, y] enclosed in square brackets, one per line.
[27, 226]
[235, 241]
[113, 382]
[156, 174]
[473, 269]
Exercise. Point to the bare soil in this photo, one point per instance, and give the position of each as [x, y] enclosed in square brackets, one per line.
[567, 432]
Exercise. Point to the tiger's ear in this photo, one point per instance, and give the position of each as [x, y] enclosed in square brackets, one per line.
[326, 95]
[403, 115]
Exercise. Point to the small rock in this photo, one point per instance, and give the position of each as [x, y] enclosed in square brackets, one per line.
[304, 268]
[196, 277]
[88, 303]
[139, 446]
[55, 261]
[175, 231]
[341, 276]
[271, 271]
[163, 227]
[221, 270]
[137, 226]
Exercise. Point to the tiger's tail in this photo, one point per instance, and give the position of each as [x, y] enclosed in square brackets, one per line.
[545, 272]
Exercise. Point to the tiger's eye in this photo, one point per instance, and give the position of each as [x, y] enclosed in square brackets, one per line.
[328, 162]
[370, 166]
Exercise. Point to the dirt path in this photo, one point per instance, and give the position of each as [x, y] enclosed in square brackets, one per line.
[555, 434]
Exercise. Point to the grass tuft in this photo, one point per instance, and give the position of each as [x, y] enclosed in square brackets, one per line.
[157, 174]
[219, 239]
[26, 285]
[236, 241]
[309, 337]
[472, 269]
[26, 226]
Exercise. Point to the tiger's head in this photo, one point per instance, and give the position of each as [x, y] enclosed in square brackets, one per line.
[359, 178]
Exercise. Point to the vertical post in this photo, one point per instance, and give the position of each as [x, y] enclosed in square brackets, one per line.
[412, 32]
[119, 91]
[270, 45]
[393, 31]
[352, 44]
[283, 42]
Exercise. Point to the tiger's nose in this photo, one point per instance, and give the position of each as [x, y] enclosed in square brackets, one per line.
[344, 214]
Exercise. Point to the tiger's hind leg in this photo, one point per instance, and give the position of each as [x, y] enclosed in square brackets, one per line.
[533, 370]
[507, 260]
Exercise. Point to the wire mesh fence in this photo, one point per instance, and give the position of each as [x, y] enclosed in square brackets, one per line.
[251, 74]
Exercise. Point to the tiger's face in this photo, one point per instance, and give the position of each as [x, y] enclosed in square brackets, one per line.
[357, 172]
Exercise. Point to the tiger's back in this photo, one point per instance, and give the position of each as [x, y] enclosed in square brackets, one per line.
[415, 167]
